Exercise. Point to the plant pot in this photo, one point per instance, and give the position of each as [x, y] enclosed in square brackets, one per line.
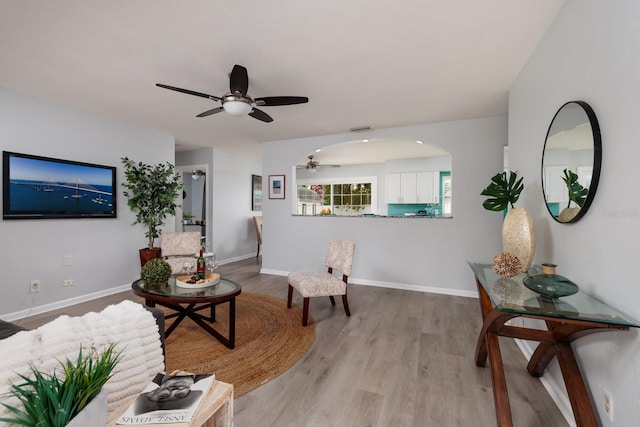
[518, 236]
[147, 254]
[94, 414]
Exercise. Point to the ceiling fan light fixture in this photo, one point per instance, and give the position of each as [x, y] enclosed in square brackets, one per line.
[237, 108]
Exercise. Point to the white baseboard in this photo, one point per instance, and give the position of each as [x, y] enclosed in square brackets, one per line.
[393, 285]
[64, 303]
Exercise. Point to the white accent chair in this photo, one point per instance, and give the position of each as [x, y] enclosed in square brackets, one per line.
[179, 247]
[318, 284]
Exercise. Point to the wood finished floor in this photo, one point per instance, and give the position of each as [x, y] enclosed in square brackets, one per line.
[403, 358]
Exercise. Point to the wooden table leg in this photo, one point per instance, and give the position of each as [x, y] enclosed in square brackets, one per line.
[232, 323]
[485, 309]
[183, 312]
[500, 394]
[576, 389]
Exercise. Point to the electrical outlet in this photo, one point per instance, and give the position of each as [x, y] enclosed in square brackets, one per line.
[34, 286]
[67, 282]
[607, 404]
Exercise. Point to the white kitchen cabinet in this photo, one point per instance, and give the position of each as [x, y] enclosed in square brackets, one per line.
[408, 187]
[412, 187]
[392, 188]
[427, 187]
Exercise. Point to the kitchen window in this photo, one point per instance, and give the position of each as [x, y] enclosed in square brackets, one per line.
[337, 196]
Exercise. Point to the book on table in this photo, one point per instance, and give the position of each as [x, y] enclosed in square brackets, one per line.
[169, 398]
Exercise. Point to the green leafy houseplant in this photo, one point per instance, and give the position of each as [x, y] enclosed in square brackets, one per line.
[155, 272]
[503, 191]
[48, 401]
[152, 192]
[187, 216]
[577, 193]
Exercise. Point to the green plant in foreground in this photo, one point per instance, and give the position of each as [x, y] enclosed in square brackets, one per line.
[52, 402]
[577, 193]
[502, 191]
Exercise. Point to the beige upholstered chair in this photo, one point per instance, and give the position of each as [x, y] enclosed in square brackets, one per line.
[257, 221]
[318, 284]
[180, 247]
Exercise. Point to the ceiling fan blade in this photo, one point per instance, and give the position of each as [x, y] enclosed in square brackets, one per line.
[239, 80]
[272, 101]
[260, 115]
[210, 112]
[188, 92]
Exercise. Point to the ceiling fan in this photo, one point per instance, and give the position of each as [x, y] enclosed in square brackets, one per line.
[312, 165]
[237, 102]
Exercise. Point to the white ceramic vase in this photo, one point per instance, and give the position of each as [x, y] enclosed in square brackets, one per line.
[519, 237]
[94, 414]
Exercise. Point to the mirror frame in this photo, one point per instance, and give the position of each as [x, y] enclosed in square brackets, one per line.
[597, 160]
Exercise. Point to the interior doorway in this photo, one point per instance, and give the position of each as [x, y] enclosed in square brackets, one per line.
[191, 214]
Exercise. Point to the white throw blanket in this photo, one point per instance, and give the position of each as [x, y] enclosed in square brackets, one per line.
[129, 325]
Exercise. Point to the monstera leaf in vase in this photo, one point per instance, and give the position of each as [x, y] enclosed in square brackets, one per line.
[518, 234]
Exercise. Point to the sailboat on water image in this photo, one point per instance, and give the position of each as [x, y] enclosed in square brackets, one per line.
[49, 189]
[77, 195]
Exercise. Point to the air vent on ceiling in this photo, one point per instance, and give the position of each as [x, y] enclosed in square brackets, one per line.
[360, 129]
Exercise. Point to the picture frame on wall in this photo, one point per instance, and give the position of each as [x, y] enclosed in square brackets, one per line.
[256, 192]
[276, 187]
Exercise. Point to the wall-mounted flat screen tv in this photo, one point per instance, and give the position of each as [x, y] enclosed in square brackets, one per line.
[36, 187]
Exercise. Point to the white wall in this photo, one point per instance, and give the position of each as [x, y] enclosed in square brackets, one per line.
[418, 253]
[590, 53]
[104, 251]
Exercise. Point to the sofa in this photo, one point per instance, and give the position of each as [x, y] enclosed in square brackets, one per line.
[137, 331]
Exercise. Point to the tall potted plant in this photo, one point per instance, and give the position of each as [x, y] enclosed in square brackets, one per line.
[152, 191]
[518, 234]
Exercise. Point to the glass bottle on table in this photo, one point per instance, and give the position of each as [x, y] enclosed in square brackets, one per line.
[202, 270]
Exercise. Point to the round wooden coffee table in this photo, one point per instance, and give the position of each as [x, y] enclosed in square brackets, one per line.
[188, 302]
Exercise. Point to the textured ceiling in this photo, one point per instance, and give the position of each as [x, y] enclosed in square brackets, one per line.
[377, 63]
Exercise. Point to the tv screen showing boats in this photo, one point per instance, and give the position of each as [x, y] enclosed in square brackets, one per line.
[36, 187]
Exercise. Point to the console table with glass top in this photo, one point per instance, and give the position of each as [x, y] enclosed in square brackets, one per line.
[567, 319]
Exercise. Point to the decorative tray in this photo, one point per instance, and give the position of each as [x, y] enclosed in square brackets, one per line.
[209, 280]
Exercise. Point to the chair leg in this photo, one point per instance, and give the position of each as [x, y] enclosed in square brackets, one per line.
[289, 296]
[305, 312]
[333, 301]
[258, 253]
[345, 302]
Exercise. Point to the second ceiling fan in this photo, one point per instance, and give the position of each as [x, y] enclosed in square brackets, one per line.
[237, 102]
[312, 166]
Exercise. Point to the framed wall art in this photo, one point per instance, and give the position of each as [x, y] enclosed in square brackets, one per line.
[256, 192]
[276, 187]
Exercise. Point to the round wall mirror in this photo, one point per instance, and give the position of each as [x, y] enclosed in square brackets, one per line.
[571, 162]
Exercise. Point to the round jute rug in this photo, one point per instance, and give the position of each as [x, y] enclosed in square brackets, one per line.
[270, 339]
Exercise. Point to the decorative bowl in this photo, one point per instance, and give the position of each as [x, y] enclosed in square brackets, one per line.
[550, 285]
